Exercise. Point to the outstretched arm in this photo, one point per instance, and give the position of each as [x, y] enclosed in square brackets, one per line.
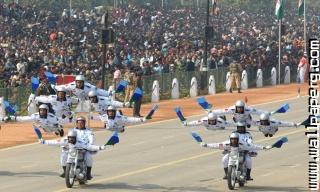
[24, 118]
[284, 124]
[60, 143]
[223, 111]
[222, 146]
[43, 99]
[132, 120]
[193, 123]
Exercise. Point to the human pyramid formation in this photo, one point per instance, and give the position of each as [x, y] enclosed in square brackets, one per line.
[87, 96]
[240, 138]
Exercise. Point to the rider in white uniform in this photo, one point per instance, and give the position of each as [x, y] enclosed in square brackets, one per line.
[45, 120]
[64, 144]
[235, 141]
[85, 136]
[100, 103]
[240, 112]
[114, 121]
[80, 88]
[61, 103]
[211, 122]
[270, 126]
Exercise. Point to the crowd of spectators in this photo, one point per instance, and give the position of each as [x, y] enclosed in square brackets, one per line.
[148, 40]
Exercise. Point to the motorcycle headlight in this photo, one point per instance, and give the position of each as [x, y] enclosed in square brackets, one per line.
[234, 157]
[73, 153]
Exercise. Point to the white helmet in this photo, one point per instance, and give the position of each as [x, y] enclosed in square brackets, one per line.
[44, 106]
[92, 93]
[111, 108]
[264, 119]
[61, 89]
[234, 136]
[212, 116]
[240, 103]
[72, 133]
[81, 118]
[264, 116]
[72, 136]
[80, 78]
[241, 124]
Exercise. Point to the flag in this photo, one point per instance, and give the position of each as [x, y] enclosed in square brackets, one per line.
[121, 87]
[307, 121]
[51, 78]
[34, 84]
[301, 7]
[154, 108]
[179, 114]
[279, 9]
[114, 139]
[203, 103]
[196, 137]
[284, 108]
[279, 143]
[9, 109]
[137, 94]
[38, 132]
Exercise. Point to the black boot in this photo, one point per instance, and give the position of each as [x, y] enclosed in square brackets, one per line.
[64, 172]
[239, 90]
[248, 175]
[230, 90]
[89, 177]
[226, 173]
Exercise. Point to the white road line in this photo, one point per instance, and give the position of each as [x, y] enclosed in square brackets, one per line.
[157, 122]
[140, 143]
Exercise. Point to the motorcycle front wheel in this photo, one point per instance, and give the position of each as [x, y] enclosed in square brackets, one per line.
[70, 175]
[232, 175]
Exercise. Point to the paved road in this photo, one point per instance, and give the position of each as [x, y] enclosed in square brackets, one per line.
[162, 156]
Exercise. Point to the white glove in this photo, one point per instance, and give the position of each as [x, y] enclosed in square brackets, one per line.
[296, 125]
[126, 104]
[267, 147]
[143, 119]
[102, 147]
[41, 141]
[185, 123]
[202, 144]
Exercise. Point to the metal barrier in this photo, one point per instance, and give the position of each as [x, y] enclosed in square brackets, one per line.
[19, 95]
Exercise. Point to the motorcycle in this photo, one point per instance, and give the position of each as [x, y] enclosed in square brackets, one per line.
[76, 169]
[236, 168]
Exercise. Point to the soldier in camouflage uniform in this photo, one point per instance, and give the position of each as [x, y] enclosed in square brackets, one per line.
[235, 70]
[128, 76]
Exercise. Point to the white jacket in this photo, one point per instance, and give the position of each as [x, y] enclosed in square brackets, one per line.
[104, 102]
[238, 117]
[59, 107]
[85, 136]
[51, 123]
[119, 122]
[82, 94]
[221, 124]
[242, 146]
[273, 127]
[63, 143]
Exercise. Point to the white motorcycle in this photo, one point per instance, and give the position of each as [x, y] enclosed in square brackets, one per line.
[236, 168]
[76, 168]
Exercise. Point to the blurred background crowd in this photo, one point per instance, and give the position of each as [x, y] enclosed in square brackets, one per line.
[149, 39]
